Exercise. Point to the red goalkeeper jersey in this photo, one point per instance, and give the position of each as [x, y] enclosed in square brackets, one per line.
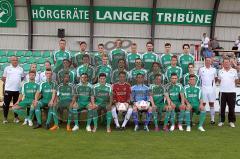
[121, 92]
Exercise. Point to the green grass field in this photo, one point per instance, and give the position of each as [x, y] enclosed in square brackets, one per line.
[23, 142]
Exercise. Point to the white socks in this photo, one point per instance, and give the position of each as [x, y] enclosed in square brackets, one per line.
[127, 117]
[115, 116]
[212, 113]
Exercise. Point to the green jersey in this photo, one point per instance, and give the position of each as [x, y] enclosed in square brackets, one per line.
[148, 58]
[88, 69]
[186, 79]
[107, 69]
[115, 75]
[157, 92]
[65, 91]
[46, 89]
[170, 70]
[97, 59]
[115, 55]
[58, 57]
[165, 61]
[102, 94]
[184, 60]
[173, 91]
[29, 90]
[193, 94]
[134, 72]
[77, 60]
[130, 60]
[71, 73]
[151, 77]
[83, 93]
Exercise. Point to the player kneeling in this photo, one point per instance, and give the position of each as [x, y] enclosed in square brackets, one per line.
[80, 101]
[140, 98]
[121, 100]
[26, 98]
[193, 95]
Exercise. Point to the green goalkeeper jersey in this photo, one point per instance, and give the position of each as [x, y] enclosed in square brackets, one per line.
[84, 93]
[65, 91]
[29, 90]
[130, 60]
[115, 55]
[102, 94]
[193, 94]
[46, 89]
[148, 58]
[107, 69]
[88, 69]
[184, 60]
[157, 92]
[170, 70]
[173, 91]
[71, 73]
[186, 79]
[165, 60]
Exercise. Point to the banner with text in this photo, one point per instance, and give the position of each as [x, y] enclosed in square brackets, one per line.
[121, 15]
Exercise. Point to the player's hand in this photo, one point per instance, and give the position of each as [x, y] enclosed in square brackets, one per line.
[201, 107]
[16, 104]
[34, 103]
[50, 103]
[173, 106]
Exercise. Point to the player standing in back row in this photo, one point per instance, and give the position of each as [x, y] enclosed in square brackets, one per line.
[116, 54]
[185, 58]
[149, 57]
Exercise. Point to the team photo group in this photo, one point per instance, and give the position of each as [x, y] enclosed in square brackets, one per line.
[163, 90]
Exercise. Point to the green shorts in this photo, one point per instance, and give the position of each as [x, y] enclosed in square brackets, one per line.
[178, 104]
[25, 103]
[64, 103]
[43, 103]
[160, 105]
[195, 109]
[83, 105]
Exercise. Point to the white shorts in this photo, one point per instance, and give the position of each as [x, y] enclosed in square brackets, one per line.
[142, 105]
[122, 106]
[209, 95]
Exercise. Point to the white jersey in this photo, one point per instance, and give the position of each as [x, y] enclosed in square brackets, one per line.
[37, 78]
[227, 78]
[205, 42]
[43, 77]
[13, 76]
[207, 77]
